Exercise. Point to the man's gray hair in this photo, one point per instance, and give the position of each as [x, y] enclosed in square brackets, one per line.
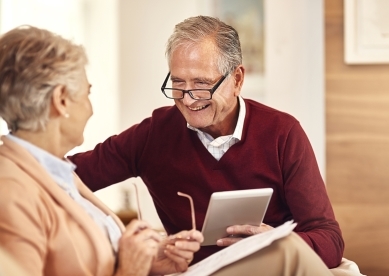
[33, 62]
[196, 29]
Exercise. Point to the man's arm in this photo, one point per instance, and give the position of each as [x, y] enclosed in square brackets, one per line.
[305, 195]
[307, 198]
[114, 160]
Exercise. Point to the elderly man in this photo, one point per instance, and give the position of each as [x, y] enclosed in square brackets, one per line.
[213, 140]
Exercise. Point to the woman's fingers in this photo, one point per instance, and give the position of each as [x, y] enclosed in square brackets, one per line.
[136, 225]
[140, 230]
[181, 264]
[193, 235]
[181, 246]
[138, 247]
[183, 249]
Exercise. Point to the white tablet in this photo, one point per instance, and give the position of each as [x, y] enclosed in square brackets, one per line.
[234, 208]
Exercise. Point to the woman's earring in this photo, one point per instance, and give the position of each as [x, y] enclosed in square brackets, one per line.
[66, 115]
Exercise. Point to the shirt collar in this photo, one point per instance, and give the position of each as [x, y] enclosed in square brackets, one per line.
[60, 170]
[239, 124]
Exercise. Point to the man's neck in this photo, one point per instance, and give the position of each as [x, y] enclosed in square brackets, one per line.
[223, 128]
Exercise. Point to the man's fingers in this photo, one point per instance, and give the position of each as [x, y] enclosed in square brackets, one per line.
[248, 230]
[227, 241]
[238, 232]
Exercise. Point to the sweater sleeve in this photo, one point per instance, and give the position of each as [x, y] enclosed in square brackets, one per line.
[22, 231]
[114, 160]
[307, 198]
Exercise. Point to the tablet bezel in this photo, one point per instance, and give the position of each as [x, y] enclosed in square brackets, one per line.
[234, 208]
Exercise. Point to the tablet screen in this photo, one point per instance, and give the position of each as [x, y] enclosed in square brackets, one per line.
[233, 208]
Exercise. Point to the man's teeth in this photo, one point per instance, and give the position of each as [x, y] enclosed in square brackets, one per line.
[197, 107]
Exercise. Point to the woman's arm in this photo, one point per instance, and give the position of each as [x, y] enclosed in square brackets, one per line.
[22, 230]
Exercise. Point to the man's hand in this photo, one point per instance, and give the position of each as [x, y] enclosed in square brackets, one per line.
[176, 252]
[238, 232]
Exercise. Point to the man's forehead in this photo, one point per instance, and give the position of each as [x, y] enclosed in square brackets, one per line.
[204, 46]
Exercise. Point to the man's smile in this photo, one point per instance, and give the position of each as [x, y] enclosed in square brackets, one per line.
[198, 107]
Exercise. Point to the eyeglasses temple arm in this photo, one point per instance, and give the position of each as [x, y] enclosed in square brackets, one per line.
[137, 201]
[191, 208]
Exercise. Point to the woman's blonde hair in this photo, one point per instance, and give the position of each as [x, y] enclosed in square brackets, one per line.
[33, 62]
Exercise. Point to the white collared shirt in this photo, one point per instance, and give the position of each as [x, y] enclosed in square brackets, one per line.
[62, 173]
[219, 146]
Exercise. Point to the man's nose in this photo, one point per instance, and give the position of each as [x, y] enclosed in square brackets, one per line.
[187, 100]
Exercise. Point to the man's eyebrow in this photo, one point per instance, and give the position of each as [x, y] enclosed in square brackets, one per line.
[204, 80]
[201, 79]
[175, 78]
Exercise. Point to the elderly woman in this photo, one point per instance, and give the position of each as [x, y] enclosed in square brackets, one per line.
[50, 222]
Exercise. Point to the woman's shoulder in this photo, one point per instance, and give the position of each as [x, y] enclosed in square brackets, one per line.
[15, 183]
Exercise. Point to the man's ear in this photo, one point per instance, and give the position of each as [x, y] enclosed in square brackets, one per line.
[238, 79]
[59, 101]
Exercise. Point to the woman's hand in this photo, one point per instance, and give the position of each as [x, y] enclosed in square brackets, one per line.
[176, 252]
[138, 248]
[238, 232]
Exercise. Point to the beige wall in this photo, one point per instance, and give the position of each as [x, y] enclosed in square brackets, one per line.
[357, 115]
[92, 23]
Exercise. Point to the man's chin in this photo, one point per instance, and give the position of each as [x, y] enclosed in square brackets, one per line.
[197, 121]
[197, 125]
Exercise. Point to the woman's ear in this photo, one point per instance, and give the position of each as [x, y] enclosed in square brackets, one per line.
[238, 79]
[59, 101]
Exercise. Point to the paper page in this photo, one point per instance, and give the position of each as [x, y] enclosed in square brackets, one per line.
[238, 250]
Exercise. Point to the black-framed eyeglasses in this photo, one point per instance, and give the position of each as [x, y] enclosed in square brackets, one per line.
[196, 94]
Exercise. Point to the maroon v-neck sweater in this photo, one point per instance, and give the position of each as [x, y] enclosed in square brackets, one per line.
[274, 152]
